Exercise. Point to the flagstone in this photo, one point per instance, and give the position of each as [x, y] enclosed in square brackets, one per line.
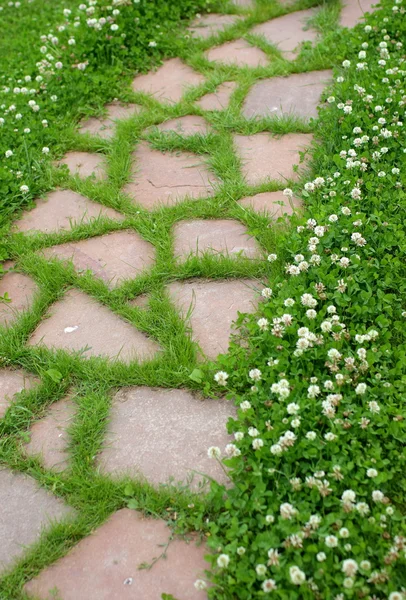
[353, 11]
[113, 257]
[26, 510]
[273, 204]
[12, 382]
[169, 82]
[163, 435]
[62, 209]
[217, 236]
[104, 127]
[140, 301]
[106, 564]
[80, 323]
[219, 99]
[297, 95]
[288, 32]
[267, 158]
[210, 24]
[168, 178]
[239, 53]
[21, 290]
[85, 164]
[49, 436]
[188, 125]
[215, 306]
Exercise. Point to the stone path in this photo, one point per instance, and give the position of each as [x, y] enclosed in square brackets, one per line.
[124, 255]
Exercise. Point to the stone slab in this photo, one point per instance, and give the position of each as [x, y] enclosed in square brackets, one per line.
[354, 10]
[297, 95]
[168, 178]
[273, 204]
[210, 24]
[267, 158]
[13, 382]
[26, 509]
[105, 127]
[85, 164]
[113, 257]
[215, 306]
[80, 323]
[169, 82]
[188, 125]
[21, 290]
[239, 53]
[62, 209]
[49, 436]
[220, 99]
[164, 435]
[105, 565]
[217, 236]
[140, 301]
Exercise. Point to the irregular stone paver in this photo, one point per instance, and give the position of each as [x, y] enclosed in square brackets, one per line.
[265, 157]
[169, 82]
[85, 164]
[12, 383]
[207, 25]
[274, 204]
[105, 565]
[189, 125]
[21, 290]
[140, 301]
[353, 11]
[60, 210]
[168, 178]
[80, 323]
[218, 100]
[26, 509]
[239, 53]
[104, 127]
[215, 236]
[215, 306]
[49, 437]
[113, 257]
[298, 95]
[161, 434]
[288, 32]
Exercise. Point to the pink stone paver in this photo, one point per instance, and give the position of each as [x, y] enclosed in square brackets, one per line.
[12, 383]
[218, 100]
[297, 95]
[26, 509]
[168, 178]
[80, 323]
[239, 53]
[105, 565]
[207, 25]
[215, 305]
[188, 125]
[21, 290]
[288, 32]
[265, 157]
[169, 82]
[49, 437]
[353, 11]
[105, 127]
[220, 236]
[140, 301]
[85, 164]
[60, 210]
[113, 257]
[274, 204]
[163, 434]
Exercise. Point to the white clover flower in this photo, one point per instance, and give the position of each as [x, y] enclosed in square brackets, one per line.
[245, 405]
[238, 436]
[241, 550]
[362, 508]
[269, 585]
[214, 452]
[372, 473]
[344, 533]
[287, 192]
[253, 431]
[297, 576]
[313, 391]
[377, 496]
[308, 300]
[255, 374]
[266, 293]
[221, 378]
[223, 561]
[330, 437]
[272, 257]
[269, 519]
[365, 565]
[321, 556]
[346, 64]
[348, 583]
[45, 150]
[311, 435]
[276, 449]
[257, 443]
[263, 324]
[374, 406]
[260, 570]
[293, 408]
[287, 511]
[24, 188]
[396, 596]
[361, 389]
[331, 541]
[348, 496]
[200, 584]
[231, 450]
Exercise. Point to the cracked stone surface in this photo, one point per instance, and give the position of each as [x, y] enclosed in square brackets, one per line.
[113, 257]
[265, 157]
[85, 164]
[60, 210]
[169, 82]
[288, 32]
[298, 95]
[21, 290]
[207, 25]
[188, 125]
[220, 99]
[353, 11]
[106, 564]
[163, 434]
[26, 509]
[239, 53]
[12, 383]
[80, 323]
[215, 306]
[49, 437]
[168, 178]
[274, 204]
[105, 127]
[217, 236]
